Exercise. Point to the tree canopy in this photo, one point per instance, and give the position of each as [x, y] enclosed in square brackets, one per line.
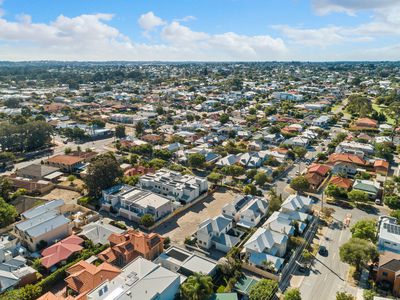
[364, 229]
[358, 253]
[263, 289]
[103, 172]
[197, 287]
[300, 184]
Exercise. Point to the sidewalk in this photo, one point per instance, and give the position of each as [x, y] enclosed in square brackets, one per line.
[363, 284]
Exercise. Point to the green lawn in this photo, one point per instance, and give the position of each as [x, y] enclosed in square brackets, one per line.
[379, 108]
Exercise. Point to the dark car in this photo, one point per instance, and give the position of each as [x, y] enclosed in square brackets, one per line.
[323, 251]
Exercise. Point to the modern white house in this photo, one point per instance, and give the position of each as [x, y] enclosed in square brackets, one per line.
[246, 210]
[355, 148]
[174, 185]
[266, 246]
[184, 262]
[140, 279]
[296, 203]
[321, 121]
[132, 203]
[276, 222]
[389, 235]
[217, 232]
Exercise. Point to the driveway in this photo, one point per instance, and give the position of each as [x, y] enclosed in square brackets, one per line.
[186, 223]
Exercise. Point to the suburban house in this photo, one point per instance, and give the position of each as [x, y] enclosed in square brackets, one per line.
[389, 271]
[217, 232]
[388, 235]
[276, 222]
[345, 164]
[355, 148]
[273, 138]
[366, 123]
[266, 246]
[174, 185]
[14, 272]
[186, 263]
[61, 251]
[372, 188]
[298, 141]
[67, 163]
[126, 247]
[316, 174]
[321, 121]
[83, 277]
[381, 166]
[99, 231]
[43, 224]
[296, 203]
[246, 210]
[140, 279]
[133, 203]
[39, 172]
[341, 182]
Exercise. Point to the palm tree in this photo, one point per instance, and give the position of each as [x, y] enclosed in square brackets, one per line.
[269, 265]
[197, 287]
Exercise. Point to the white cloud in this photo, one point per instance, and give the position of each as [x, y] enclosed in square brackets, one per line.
[186, 19]
[149, 21]
[323, 7]
[90, 37]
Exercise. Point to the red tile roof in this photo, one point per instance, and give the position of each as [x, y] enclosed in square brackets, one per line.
[65, 159]
[319, 169]
[84, 276]
[367, 122]
[344, 157]
[380, 163]
[341, 182]
[61, 251]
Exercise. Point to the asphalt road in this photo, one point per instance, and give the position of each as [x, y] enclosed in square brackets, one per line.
[98, 146]
[328, 274]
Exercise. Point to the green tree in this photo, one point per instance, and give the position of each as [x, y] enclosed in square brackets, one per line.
[263, 289]
[157, 163]
[357, 196]
[393, 112]
[344, 296]
[8, 213]
[393, 201]
[364, 229]
[335, 191]
[147, 220]
[224, 118]
[260, 178]
[275, 201]
[250, 189]
[139, 128]
[196, 160]
[162, 153]
[300, 184]
[292, 294]
[197, 287]
[300, 151]
[103, 172]
[5, 188]
[358, 253]
[120, 131]
[359, 105]
[234, 171]
[369, 294]
[396, 214]
[215, 177]
[384, 150]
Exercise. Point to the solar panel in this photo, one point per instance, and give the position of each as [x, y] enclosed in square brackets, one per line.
[392, 228]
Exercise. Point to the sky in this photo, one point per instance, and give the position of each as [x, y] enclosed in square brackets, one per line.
[200, 30]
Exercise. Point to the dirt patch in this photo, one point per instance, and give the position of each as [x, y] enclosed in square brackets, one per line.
[69, 197]
[186, 223]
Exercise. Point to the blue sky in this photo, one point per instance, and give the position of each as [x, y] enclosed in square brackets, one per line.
[215, 30]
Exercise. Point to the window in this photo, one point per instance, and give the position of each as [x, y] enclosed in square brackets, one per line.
[384, 274]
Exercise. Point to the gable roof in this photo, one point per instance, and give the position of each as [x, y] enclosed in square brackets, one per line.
[61, 251]
[321, 170]
[85, 276]
[345, 157]
[341, 182]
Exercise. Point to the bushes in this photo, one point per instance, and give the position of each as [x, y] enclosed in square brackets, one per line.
[147, 220]
[119, 225]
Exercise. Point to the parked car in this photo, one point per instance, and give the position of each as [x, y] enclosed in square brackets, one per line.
[323, 251]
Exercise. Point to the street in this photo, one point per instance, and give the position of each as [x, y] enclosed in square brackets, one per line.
[98, 146]
[328, 274]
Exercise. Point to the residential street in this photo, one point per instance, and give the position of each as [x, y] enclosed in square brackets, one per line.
[328, 274]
